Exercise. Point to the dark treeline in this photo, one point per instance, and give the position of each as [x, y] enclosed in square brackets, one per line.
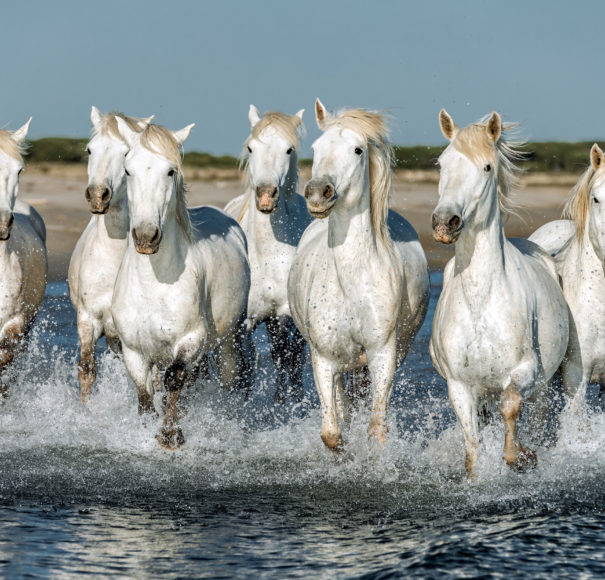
[545, 156]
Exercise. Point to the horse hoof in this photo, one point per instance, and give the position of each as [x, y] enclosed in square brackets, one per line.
[526, 460]
[171, 439]
[333, 442]
[378, 433]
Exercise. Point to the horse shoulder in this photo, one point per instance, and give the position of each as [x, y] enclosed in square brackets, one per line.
[533, 254]
[552, 236]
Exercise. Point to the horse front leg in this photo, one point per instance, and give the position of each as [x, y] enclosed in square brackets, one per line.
[325, 375]
[296, 361]
[234, 355]
[381, 366]
[89, 332]
[278, 336]
[465, 407]
[171, 436]
[515, 455]
[13, 339]
[140, 371]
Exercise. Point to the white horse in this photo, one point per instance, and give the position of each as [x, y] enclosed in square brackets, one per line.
[182, 287]
[500, 328]
[22, 254]
[98, 253]
[580, 261]
[359, 285]
[274, 217]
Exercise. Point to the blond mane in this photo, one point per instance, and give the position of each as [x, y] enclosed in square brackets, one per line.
[578, 204]
[9, 146]
[474, 142]
[289, 126]
[160, 140]
[108, 125]
[372, 128]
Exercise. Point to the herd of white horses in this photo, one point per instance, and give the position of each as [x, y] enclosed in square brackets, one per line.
[334, 268]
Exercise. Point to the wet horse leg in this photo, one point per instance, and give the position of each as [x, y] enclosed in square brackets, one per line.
[278, 336]
[296, 360]
[516, 456]
[140, 371]
[381, 364]
[171, 436]
[14, 336]
[89, 332]
[465, 407]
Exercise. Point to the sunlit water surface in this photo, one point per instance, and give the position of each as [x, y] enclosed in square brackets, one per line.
[253, 493]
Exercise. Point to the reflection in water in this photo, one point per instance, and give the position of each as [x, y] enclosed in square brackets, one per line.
[255, 492]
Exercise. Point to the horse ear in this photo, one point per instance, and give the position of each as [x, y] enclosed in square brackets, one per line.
[20, 134]
[142, 123]
[95, 116]
[126, 132]
[253, 116]
[300, 114]
[494, 127]
[321, 114]
[596, 157]
[182, 134]
[448, 127]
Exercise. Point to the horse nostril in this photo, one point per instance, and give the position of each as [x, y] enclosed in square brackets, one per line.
[106, 194]
[455, 222]
[11, 220]
[328, 191]
[156, 236]
[134, 235]
[87, 194]
[274, 192]
[434, 221]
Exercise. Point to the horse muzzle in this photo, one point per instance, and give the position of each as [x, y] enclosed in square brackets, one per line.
[98, 198]
[146, 239]
[6, 224]
[266, 198]
[321, 197]
[446, 227]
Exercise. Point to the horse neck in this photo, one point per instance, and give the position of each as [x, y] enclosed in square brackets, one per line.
[580, 256]
[479, 250]
[115, 223]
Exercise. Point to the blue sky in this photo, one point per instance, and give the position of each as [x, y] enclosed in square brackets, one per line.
[537, 62]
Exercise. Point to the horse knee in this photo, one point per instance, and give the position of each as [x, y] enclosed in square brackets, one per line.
[175, 376]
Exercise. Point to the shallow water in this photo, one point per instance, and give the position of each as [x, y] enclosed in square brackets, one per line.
[253, 493]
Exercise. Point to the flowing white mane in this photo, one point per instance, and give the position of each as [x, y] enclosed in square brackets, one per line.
[9, 146]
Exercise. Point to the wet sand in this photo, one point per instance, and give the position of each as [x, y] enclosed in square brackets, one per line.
[58, 194]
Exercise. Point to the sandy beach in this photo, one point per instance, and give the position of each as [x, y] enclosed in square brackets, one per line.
[57, 192]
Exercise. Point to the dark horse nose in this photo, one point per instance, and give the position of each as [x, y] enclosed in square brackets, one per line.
[266, 198]
[7, 220]
[320, 195]
[446, 226]
[146, 238]
[98, 198]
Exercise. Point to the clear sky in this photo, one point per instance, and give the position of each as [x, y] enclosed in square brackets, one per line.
[538, 62]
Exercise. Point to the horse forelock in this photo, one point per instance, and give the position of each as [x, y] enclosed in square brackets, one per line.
[577, 207]
[372, 128]
[9, 146]
[108, 125]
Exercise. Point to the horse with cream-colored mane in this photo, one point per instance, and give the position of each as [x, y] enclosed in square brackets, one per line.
[98, 253]
[23, 260]
[579, 254]
[273, 216]
[359, 285]
[183, 284]
[501, 326]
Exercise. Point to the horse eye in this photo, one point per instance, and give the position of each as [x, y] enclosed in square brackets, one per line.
[249, 150]
[171, 173]
[21, 171]
[487, 168]
[289, 151]
[593, 199]
[358, 150]
[88, 150]
[126, 171]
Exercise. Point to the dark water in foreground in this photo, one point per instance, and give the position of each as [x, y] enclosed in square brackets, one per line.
[253, 493]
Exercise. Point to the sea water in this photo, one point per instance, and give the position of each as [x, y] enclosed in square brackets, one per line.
[86, 490]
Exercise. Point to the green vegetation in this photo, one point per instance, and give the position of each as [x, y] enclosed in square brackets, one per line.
[547, 156]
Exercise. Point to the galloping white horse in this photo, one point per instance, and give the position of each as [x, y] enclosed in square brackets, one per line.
[274, 217]
[182, 287]
[98, 253]
[22, 254]
[580, 261]
[359, 285]
[500, 328]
